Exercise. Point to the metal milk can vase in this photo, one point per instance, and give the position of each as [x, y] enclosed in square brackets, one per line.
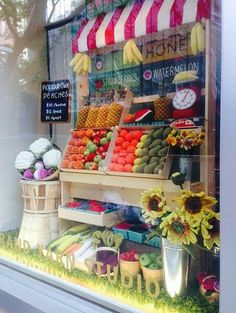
[176, 261]
[185, 166]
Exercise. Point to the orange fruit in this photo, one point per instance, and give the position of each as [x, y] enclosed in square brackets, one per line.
[123, 133]
[121, 161]
[129, 137]
[119, 168]
[134, 142]
[128, 168]
[117, 149]
[130, 159]
[112, 166]
[131, 149]
[89, 133]
[125, 145]
[122, 154]
[119, 141]
[137, 134]
[115, 157]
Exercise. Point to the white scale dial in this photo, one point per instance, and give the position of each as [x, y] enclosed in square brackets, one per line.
[184, 99]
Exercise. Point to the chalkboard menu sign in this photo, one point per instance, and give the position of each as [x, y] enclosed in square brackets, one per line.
[55, 96]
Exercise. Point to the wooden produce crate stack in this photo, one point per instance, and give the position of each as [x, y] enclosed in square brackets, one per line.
[40, 218]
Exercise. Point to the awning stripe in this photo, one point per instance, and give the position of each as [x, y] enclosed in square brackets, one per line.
[91, 38]
[139, 19]
[101, 33]
[119, 34]
[176, 14]
[130, 23]
[109, 32]
[82, 40]
[164, 15]
[151, 22]
[203, 9]
[140, 23]
[75, 47]
[190, 11]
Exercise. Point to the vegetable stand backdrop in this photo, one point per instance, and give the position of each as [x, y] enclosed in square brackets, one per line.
[138, 219]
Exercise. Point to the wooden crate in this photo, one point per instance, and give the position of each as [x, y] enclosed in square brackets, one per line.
[41, 196]
[164, 174]
[129, 189]
[103, 219]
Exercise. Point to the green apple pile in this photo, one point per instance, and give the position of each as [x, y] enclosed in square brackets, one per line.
[151, 151]
[151, 260]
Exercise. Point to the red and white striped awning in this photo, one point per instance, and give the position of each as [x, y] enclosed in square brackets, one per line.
[141, 18]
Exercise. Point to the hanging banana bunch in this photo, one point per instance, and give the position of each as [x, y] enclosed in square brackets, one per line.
[81, 64]
[198, 39]
[131, 53]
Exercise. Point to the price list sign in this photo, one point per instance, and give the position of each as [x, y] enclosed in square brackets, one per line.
[55, 99]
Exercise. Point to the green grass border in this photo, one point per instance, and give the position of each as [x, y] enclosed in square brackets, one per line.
[193, 302]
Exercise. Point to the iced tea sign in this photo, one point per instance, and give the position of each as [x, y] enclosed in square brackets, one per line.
[55, 99]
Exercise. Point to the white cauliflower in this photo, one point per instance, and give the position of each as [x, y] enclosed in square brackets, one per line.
[40, 146]
[24, 160]
[52, 158]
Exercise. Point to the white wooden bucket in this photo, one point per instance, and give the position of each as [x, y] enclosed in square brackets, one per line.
[38, 228]
[41, 196]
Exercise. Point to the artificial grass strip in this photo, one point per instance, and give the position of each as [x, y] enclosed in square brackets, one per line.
[193, 302]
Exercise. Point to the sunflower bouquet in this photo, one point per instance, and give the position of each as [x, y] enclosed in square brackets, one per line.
[185, 138]
[193, 221]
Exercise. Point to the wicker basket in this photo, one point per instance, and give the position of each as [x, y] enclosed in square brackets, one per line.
[152, 275]
[41, 197]
[132, 268]
[104, 248]
[39, 229]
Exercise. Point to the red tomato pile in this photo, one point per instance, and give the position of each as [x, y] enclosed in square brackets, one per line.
[124, 152]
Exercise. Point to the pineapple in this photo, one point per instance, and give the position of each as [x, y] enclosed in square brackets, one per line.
[92, 117]
[102, 116]
[82, 116]
[162, 108]
[114, 114]
[163, 104]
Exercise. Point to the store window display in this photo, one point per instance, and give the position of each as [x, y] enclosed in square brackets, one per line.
[119, 197]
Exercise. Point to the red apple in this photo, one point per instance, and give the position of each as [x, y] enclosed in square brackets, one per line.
[102, 133]
[106, 146]
[96, 140]
[100, 150]
[91, 157]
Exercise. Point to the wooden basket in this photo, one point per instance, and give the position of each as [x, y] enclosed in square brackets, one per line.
[39, 229]
[132, 268]
[41, 197]
[152, 275]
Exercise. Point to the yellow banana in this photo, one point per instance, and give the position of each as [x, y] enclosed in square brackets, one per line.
[86, 64]
[136, 60]
[129, 52]
[125, 59]
[201, 37]
[136, 51]
[75, 59]
[79, 65]
[193, 39]
[185, 76]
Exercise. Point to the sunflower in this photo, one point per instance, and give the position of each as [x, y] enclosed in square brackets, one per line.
[210, 229]
[153, 204]
[195, 204]
[180, 229]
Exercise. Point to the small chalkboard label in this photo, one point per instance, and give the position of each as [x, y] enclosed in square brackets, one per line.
[55, 98]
